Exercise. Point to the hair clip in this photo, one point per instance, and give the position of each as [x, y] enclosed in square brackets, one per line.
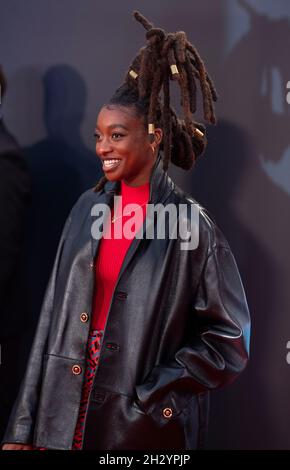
[151, 128]
[133, 74]
[198, 133]
[174, 69]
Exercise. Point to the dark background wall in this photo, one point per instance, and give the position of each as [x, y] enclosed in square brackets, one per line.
[64, 59]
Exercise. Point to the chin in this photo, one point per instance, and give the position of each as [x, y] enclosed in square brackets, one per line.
[111, 176]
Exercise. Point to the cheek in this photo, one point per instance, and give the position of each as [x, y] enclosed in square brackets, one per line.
[136, 150]
[131, 148]
[140, 145]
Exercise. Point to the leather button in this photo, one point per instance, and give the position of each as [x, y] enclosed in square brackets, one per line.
[84, 317]
[167, 413]
[76, 369]
[121, 295]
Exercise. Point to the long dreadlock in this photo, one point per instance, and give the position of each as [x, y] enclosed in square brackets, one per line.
[168, 57]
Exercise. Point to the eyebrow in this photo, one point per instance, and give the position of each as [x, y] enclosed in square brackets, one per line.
[112, 126]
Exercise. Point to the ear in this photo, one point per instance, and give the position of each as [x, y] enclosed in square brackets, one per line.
[155, 139]
[158, 135]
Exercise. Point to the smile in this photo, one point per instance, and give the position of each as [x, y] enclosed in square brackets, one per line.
[110, 164]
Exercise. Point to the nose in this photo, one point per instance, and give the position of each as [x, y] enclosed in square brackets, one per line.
[103, 147]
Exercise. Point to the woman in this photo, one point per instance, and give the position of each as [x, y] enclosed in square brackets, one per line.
[134, 331]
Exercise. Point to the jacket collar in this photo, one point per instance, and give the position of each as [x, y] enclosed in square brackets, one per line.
[160, 183]
[161, 187]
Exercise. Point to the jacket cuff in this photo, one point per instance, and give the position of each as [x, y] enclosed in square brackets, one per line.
[18, 435]
[158, 399]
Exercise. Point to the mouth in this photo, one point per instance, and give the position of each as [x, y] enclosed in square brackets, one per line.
[110, 163]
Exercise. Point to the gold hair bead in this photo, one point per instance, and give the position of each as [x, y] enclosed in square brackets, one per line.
[174, 69]
[133, 74]
[151, 128]
[198, 133]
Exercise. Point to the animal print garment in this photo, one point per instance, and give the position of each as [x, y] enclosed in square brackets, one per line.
[92, 359]
[93, 354]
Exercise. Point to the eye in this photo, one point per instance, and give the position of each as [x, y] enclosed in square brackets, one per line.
[117, 134]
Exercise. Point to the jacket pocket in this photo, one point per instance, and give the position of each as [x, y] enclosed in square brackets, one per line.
[60, 396]
[182, 407]
[166, 408]
[118, 423]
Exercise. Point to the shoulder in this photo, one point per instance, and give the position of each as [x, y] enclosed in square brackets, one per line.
[83, 205]
[85, 199]
[210, 234]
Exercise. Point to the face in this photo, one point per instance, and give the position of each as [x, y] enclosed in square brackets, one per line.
[123, 145]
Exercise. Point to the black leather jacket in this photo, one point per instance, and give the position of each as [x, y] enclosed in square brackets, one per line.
[178, 326]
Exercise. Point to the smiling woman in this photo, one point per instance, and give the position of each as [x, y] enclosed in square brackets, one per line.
[123, 145]
[134, 332]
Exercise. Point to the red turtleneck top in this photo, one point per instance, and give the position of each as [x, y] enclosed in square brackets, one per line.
[112, 251]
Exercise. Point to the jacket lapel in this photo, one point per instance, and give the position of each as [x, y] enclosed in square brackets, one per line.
[106, 198]
[160, 185]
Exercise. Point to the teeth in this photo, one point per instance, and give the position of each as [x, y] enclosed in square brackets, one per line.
[111, 161]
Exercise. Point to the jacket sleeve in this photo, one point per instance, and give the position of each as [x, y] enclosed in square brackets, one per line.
[216, 351]
[22, 418]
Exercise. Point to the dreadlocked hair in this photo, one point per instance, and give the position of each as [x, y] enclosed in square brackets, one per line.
[165, 58]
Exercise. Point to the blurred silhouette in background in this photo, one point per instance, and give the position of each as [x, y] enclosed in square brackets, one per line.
[14, 199]
[61, 169]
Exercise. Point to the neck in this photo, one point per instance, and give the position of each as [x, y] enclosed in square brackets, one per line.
[144, 177]
[134, 190]
[135, 184]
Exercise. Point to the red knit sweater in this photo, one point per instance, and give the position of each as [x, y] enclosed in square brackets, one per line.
[112, 251]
